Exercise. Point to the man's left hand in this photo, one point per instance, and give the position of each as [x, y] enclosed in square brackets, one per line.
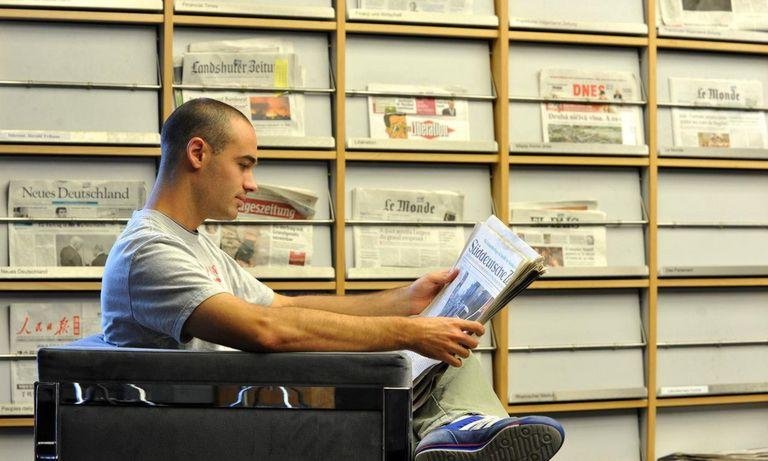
[421, 292]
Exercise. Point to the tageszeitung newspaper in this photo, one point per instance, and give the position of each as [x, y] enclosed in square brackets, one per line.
[408, 245]
[52, 244]
[726, 14]
[417, 117]
[494, 267]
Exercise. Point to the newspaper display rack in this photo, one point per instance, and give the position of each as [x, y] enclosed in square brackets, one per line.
[450, 12]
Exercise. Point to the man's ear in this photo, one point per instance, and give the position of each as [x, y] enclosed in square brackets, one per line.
[197, 149]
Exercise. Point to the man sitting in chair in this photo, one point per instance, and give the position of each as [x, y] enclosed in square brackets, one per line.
[167, 286]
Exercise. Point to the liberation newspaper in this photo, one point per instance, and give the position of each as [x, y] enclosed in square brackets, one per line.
[71, 244]
[596, 122]
[413, 245]
[494, 267]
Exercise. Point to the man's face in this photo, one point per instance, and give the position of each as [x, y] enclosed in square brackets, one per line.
[229, 173]
[397, 129]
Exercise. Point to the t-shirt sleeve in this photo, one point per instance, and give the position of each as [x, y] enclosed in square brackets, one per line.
[166, 283]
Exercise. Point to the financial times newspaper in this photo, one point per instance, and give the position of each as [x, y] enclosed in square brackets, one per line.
[602, 123]
[738, 455]
[566, 243]
[52, 244]
[730, 14]
[416, 117]
[269, 244]
[406, 246]
[494, 267]
[36, 325]
[423, 6]
[250, 63]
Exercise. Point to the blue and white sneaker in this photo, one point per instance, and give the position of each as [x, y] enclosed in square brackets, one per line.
[478, 437]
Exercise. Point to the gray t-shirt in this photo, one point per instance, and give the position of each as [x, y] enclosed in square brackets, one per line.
[157, 273]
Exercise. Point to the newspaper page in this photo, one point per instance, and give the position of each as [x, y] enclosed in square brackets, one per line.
[494, 266]
[716, 92]
[752, 454]
[730, 14]
[270, 244]
[406, 246]
[422, 6]
[718, 128]
[36, 325]
[416, 117]
[565, 243]
[573, 122]
[249, 63]
[57, 245]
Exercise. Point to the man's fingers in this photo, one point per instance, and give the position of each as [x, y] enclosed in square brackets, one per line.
[473, 327]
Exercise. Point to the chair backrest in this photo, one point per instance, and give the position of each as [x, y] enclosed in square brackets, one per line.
[94, 401]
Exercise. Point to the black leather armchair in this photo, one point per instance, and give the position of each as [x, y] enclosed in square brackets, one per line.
[96, 402]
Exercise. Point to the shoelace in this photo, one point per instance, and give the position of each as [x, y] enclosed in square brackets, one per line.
[482, 423]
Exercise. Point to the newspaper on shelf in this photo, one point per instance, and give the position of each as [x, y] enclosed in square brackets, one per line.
[565, 243]
[270, 244]
[419, 6]
[250, 64]
[36, 325]
[716, 92]
[72, 244]
[725, 14]
[410, 116]
[494, 267]
[591, 121]
[752, 454]
[408, 245]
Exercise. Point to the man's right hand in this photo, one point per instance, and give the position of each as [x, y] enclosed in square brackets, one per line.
[446, 339]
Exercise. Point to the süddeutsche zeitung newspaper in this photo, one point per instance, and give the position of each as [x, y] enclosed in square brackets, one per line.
[53, 244]
[566, 243]
[718, 128]
[420, 246]
[417, 117]
[600, 123]
[494, 267]
[250, 63]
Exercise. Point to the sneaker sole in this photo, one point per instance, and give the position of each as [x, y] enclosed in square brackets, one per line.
[528, 442]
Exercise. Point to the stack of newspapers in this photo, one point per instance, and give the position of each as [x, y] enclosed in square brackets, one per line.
[494, 267]
[740, 455]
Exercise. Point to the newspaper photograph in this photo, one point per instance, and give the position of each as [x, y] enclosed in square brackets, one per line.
[494, 266]
[417, 117]
[61, 245]
[718, 128]
[36, 325]
[716, 92]
[249, 63]
[422, 6]
[732, 14]
[406, 246]
[268, 245]
[565, 243]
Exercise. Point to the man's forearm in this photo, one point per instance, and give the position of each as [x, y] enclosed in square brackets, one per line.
[392, 302]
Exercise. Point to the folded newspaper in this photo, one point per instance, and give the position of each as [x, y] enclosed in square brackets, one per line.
[494, 267]
[739, 455]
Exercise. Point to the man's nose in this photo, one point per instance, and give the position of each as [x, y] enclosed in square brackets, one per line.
[250, 183]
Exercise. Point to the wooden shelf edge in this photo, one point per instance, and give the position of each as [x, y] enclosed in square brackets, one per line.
[301, 286]
[253, 22]
[360, 285]
[577, 39]
[587, 284]
[734, 164]
[420, 30]
[577, 160]
[422, 157]
[16, 421]
[577, 406]
[711, 400]
[79, 150]
[297, 154]
[80, 16]
[705, 45]
[714, 282]
[48, 285]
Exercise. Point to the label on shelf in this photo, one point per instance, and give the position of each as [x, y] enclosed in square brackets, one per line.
[79, 137]
[16, 409]
[671, 391]
[561, 24]
[360, 14]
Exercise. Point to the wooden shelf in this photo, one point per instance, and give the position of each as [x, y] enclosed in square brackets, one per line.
[725, 164]
[714, 282]
[713, 400]
[704, 45]
[577, 406]
[253, 23]
[578, 160]
[80, 16]
[265, 153]
[79, 150]
[577, 39]
[422, 157]
[420, 31]
[589, 284]
[49, 285]
[372, 285]
[16, 421]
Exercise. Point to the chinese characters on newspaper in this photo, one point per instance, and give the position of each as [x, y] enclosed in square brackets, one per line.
[50, 245]
[718, 127]
[594, 121]
[249, 64]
